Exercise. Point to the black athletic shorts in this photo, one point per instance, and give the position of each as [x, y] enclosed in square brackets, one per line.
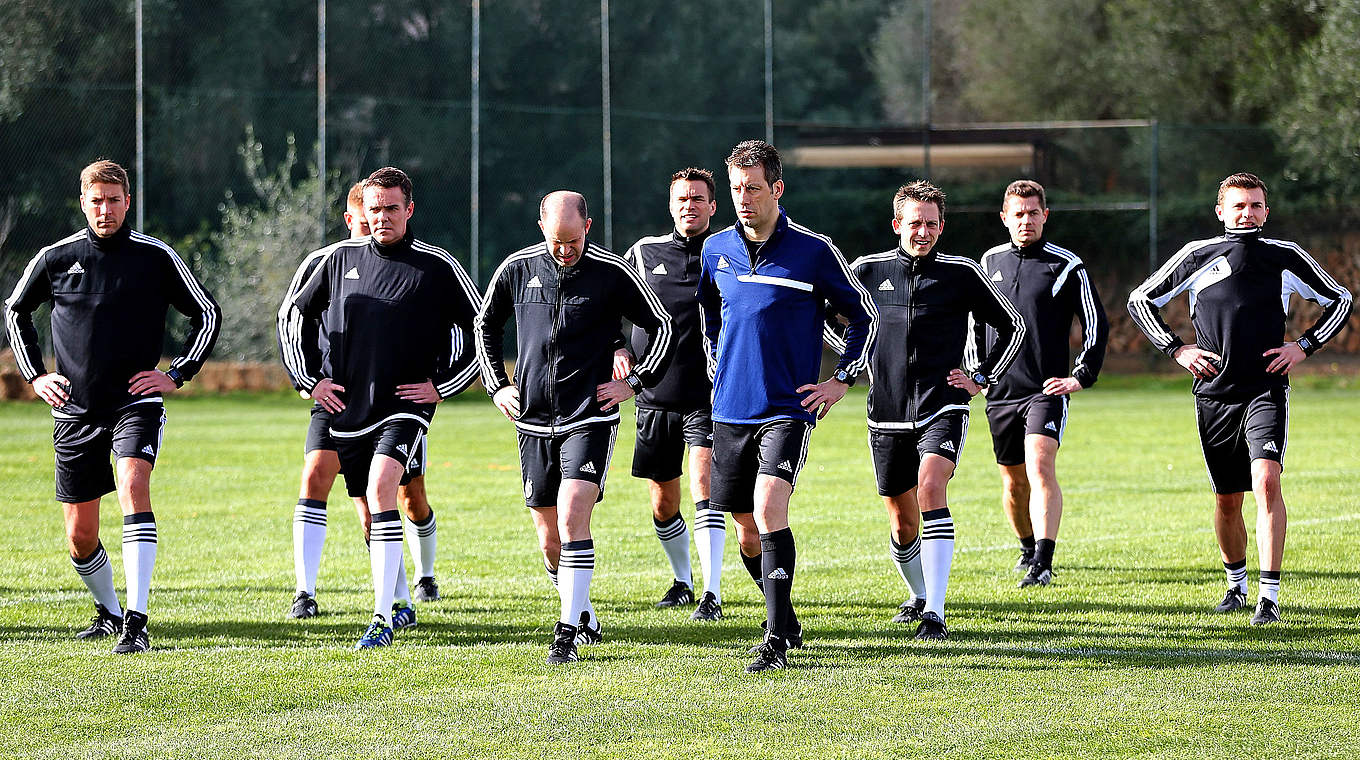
[741, 452]
[84, 472]
[897, 455]
[319, 439]
[1232, 433]
[662, 435]
[401, 439]
[1011, 421]
[582, 454]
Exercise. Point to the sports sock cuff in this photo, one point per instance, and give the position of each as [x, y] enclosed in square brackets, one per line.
[386, 527]
[701, 504]
[422, 523]
[1027, 542]
[1268, 576]
[672, 528]
[906, 553]
[94, 562]
[389, 515]
[312, 503]
[1240, 564]
[577, 555]
[776, 540]
[574, 546]
[427, 528]
[937, 525]
[139, 527]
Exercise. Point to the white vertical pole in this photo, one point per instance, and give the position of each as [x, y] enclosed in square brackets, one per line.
[606, 136]
[769, 71]
[321, 118]
[141, 129]
[476, 169]
[928, 30]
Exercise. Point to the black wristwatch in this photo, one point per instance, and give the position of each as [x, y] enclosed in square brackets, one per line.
[842, 376]
[981, 380]
[175, 377]
[1305, 344]
[634, 382]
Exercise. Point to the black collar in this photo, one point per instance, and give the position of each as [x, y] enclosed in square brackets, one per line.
[112, 242]
[397, 249]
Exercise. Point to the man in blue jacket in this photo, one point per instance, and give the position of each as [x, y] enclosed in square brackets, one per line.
[764, 287]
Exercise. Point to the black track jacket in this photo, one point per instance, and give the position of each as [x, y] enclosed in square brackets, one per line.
[670, 265]
[1239, 286]
[392, 317]
[924, 305]
[109, 300]
[567, 320]
[1048, 285]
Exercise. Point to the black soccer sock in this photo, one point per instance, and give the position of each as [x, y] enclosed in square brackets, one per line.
[777, 558]
[1027, 546]
[753, 567]
[1043, 553]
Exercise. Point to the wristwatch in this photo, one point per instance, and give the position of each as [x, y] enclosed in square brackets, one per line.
[981, 380]
[175, 377]
[841, 375]
[1305, 344]
[634, 382]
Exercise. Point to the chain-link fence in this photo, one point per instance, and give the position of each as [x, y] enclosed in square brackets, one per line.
[228, 89]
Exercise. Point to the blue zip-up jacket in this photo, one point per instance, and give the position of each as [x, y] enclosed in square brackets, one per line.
[763, 316]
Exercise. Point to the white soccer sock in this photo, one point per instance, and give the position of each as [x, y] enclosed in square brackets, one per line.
[937, 554]
[139, 557]
[908, 561]
[422, 538]
[401, 590]
[1270, 585]
[384, 555]
[674, 537]
[575, 569]
[1237, 575]
[710, 534]
[97, 574]
[309, 535]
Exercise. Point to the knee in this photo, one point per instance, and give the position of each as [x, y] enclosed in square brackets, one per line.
[550, 545]
[315, 483]
[1266, 483]
[81, 540]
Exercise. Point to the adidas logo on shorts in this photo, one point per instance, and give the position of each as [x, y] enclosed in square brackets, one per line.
[149, 450]
[722, 262]
[533, 282]
[528, 489]
[1050, 426]
[402, 449]
[886, 285]
[76, 268]
[948, 446]
[996, 277]
[352, 274]
[660, 269]
[589, 467]
[1270, 446]
[778, 574]
[785, 466]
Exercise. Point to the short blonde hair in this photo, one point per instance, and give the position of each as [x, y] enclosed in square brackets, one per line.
[104, 172]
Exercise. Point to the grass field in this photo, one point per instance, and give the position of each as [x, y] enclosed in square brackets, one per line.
[1119, 658]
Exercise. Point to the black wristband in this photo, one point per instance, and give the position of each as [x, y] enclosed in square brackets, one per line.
[175, 377]
[634, 382]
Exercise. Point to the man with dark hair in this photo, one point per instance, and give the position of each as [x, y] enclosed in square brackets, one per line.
[1027, 407]
[321, 464]
[110, 288]
[918, 400]
[568, 297]
[676, 412]
[764, 288]
[392, 308]
[1239, 285]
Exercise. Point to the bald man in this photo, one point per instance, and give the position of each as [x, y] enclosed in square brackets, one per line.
[568, 297]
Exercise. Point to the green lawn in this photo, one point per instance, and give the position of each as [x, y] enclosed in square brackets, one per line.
[1119, 658]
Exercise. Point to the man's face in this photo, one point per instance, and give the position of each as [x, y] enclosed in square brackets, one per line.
[1025, 219]
[1243, 208]
[386, 211]
[756, 202]
[919, 227]
[105, 207]
[356, 222]
[565, 233]
[691, 208]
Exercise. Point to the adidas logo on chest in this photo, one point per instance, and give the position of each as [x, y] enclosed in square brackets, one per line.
[533, 282]
[352, 274]
[886, 284]
[76, 268]
[660, 269]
